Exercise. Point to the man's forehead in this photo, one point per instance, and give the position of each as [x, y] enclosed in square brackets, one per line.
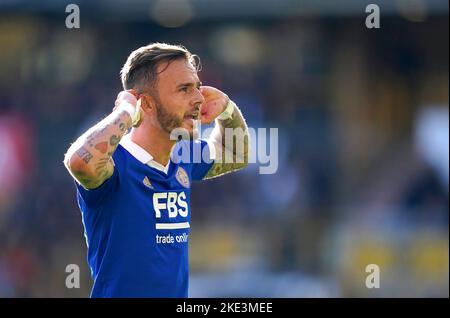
[178, 70]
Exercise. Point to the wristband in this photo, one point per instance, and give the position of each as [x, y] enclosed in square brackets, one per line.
[226, 114]
[134, 112]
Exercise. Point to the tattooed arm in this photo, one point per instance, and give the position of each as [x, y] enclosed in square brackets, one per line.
[230, 136]
[89, 159]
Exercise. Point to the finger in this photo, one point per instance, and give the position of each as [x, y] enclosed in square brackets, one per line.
[133, 91]
[124, 94]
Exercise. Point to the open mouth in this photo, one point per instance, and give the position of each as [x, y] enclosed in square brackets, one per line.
[193, 116]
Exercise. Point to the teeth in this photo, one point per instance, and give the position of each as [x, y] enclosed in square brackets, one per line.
[194, 115]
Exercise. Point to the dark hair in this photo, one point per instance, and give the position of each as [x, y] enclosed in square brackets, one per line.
[140, 69]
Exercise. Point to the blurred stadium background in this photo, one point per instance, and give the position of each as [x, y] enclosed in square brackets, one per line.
[363, 118]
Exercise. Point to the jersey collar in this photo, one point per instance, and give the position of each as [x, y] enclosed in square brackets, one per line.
[141, 154]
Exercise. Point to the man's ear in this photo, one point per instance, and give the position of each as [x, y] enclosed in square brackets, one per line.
[147, 103]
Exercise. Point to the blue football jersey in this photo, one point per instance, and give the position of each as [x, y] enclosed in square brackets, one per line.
[137, 222]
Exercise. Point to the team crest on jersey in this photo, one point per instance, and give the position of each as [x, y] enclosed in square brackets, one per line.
[147, 183]
[182, 177]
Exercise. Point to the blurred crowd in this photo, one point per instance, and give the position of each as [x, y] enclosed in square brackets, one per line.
[362, 118]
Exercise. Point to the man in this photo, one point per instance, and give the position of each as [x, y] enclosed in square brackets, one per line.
[132, 193]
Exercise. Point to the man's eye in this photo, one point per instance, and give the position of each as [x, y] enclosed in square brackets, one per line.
[184, 89]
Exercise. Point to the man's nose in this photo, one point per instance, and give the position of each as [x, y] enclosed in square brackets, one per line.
[198, 98]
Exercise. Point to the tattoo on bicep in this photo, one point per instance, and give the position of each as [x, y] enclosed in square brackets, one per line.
[84, 154]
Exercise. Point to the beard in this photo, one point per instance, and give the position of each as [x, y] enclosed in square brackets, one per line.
[169, 122]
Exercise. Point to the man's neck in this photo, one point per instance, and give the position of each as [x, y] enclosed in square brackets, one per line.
[156, 142]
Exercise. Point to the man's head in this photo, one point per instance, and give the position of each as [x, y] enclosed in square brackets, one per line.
[165, 78]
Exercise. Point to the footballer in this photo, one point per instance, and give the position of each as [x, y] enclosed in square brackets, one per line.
[133, 195]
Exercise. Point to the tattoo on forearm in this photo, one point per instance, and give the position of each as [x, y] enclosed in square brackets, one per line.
[101, 164]
[219, 169]
[102, 146]
[239, 156]
[114, 140]
[116, 121]
[92, 137]
[97, 148]
[234, 122]
[237, 121]
[103, 174]
[84, 154]
[82, 177]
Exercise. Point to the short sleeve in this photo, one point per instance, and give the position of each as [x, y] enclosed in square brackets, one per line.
[93, 197]
[200, 169]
